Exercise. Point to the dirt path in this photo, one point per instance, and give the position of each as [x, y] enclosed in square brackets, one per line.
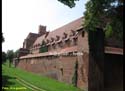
[28, 85]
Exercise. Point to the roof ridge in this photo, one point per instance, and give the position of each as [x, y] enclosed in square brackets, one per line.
[67, 24]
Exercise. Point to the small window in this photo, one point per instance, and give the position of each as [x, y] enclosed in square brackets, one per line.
[61, 70]
[83, 33]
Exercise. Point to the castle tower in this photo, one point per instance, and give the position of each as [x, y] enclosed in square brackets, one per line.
[42, 30]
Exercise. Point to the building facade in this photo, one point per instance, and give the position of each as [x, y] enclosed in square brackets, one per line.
[62, 54]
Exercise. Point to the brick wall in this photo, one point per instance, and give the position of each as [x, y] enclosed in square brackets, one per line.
[51, 66]
[62, 68]
[83, 60]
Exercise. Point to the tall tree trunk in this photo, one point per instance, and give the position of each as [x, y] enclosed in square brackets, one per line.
[96, 61]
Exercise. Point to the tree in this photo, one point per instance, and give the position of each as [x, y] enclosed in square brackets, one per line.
[106, 14]
[3, 57]
[70, 3]
[16, 53]
[10, 56]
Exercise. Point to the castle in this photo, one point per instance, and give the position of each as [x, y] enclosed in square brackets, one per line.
[62, 54]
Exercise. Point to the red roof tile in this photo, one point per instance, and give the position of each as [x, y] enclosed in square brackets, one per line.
[74, 25]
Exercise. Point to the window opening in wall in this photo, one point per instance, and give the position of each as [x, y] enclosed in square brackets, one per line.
[64, 35]
[61, 70]
[52, 39]
[83, 33]
[72, 33]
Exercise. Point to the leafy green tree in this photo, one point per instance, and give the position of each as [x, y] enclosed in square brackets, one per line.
[101, 14]
[106, 14]
[70, 3]
[10, 56]
[3, 57]
[16, 53]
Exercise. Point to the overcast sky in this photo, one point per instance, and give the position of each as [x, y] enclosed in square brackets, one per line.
[19, 17]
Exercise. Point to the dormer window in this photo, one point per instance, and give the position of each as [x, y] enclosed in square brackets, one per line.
[52, 39]
[64, 35]
[72, 33]
[57, 37]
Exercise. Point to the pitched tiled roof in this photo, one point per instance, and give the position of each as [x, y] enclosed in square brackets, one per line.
[74, 25]
[39, 40]
[32, 35]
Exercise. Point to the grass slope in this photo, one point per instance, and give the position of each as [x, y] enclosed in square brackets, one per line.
[42, 82]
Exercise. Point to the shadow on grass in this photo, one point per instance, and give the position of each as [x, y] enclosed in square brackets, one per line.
[6, 81]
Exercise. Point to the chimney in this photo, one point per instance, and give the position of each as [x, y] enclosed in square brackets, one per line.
[42, 30]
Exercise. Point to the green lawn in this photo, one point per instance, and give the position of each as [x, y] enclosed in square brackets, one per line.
[45, 83]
